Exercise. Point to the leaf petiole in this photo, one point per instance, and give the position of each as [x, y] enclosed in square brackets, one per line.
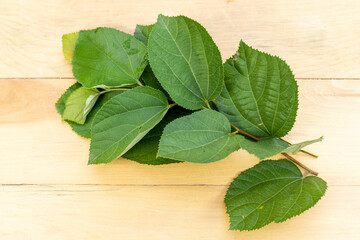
[300, 164]
[238, 130]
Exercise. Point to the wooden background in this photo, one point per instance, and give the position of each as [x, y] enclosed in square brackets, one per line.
[48, 191]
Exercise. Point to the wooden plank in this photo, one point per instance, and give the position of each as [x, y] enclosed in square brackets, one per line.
[36, 147]
[319, 39]
[163, 212]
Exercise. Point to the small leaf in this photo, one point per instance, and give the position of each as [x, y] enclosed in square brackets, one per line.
[295, 148]
[68, 45]
[260, 95]
[201, 137]
[142, 32]
[186, 61]
[83, 130]
[123, 121]
[106, 57]
[145, 151]
[273, 146]
[79, 104]
[271, 191]
[60, 104]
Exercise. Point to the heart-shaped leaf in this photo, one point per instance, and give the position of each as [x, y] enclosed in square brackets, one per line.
[186, 61]
[260, 95]
[106, 57]
[123, 121]
[271, 191]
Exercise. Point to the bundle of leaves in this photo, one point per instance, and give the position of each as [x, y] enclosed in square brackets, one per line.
[163, 95]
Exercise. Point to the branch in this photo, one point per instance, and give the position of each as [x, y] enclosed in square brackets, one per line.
[300, 164]
[245, 133]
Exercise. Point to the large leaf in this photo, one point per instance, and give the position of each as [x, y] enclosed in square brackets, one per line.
[271, 191]
[83, 130]
[201, 137]
[186, 61]
[273, 146]
[142, 32]
[145, 151]
[68, 45]
[106, 57]
[123, 121]
[260, 94]
[79, 104]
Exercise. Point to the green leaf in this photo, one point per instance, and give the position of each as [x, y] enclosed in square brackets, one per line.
[60, 104]
[123, 121]
[273, 146]
[106, 57]
[201, 137]
[83, 130]
[145, 151]
[79, 104]
[142, 32]
[295, 148]
[186, 61]
[260, 95]
[149, 79]
[68, 45]
[271, 191]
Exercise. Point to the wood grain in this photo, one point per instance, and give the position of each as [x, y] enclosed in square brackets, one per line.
[49, 192]
[33, 137]
[319, 39]
[163, 212]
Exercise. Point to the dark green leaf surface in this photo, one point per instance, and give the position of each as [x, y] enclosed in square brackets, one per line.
[271, 191]
[79, 104]
[123, 121]
[260, 94]
[273, 146]
[106, 57]
[142, 32]
[68, 45]
[145, 151]
[201, 137]
[186, 61]
[149, 79]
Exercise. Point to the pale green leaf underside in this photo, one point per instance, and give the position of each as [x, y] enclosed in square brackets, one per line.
[106, 57]
[123, 121]
[186, 61]
[79, 104]
[83, 130]
[201, 137]
[260, 95]
[145, 151]
[271, 191]
[142, 32]
[271, 147]
[68, 45]
[60, 104]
